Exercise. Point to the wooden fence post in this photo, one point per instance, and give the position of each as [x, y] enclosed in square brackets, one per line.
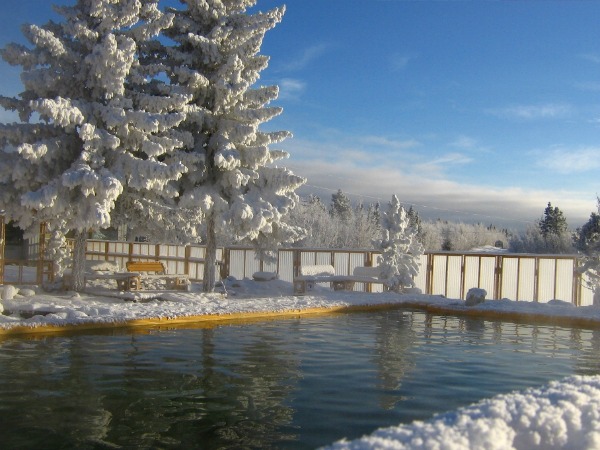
[226, 263]
[2, 244]
[41, 254]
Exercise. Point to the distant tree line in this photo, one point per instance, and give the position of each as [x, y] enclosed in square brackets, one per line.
[342, 224]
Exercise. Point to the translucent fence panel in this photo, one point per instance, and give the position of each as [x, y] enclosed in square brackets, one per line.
[487, 275]
[510, 278]
[454, 276]
[546, 279]
[236, 263]
[341, 263]
[438, 273]
[526, 279]
[565, 279]
[308, 258]
[286, 265]
[251, 264]
[323, 258]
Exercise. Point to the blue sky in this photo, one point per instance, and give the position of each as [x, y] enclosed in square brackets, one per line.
[480, 111]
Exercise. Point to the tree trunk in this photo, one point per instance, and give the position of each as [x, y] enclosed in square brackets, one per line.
[78, 270]
[210, 258]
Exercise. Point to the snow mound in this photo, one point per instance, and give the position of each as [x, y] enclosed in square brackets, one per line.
[564, 414]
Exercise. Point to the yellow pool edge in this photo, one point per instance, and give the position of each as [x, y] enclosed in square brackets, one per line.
[211, 320]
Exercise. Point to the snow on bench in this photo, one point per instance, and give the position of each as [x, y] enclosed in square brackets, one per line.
[312, 274]
[156, 269]
[103, 270]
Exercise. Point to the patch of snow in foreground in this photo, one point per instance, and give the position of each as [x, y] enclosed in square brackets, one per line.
[562, 415]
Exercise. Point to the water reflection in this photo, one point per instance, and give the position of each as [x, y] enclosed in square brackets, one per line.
[394, 339]
[296, 383]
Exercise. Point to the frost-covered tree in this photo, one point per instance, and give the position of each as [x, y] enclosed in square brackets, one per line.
[553, 222]
[232, 181]
[549, 235]
[400, 248]
[324, 230]
[340, 206]
[89, 132]
[588, 236]
[588, 243]
[311, 215]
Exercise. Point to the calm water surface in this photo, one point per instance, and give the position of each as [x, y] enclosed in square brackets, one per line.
[298, 383]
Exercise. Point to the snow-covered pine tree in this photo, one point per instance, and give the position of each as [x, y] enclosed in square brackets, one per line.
[553, 222]
[87, 133]
[341, 206]
[231, 181]
[401, 250]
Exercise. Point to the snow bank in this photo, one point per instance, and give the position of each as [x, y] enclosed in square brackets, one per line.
[26, 309]
[564, 414]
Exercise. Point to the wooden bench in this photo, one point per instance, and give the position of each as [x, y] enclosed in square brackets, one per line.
[126, 281]
[360, 274]
[155, 269]
[311, 275]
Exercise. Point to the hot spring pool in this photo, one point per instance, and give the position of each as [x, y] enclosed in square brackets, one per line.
[295, 383]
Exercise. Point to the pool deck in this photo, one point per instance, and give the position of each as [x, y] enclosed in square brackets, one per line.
[522, 312]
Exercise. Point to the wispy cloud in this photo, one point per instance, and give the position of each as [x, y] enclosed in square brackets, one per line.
[290, 88]
[532, 112]
[568, 161]
[383, 141]
[306, 57]
[464, 142]
[593, 86]
[399, 62]
[592, 57]
[469, 144]
[437, 167]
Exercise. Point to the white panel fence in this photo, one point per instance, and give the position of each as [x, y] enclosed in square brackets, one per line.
[525, 277]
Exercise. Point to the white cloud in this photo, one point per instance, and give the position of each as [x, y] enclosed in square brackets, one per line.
[290, 88]
[532, 112]
[568, 161]
[363, 177]
[306, 57]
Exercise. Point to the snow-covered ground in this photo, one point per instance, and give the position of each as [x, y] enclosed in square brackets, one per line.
[103, 304]
[564, 414]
